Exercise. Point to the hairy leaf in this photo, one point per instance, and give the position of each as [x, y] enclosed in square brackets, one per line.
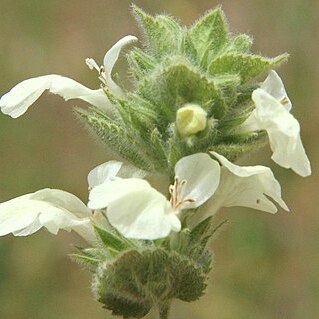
[161, 33]
[246, 66]
[210, 34]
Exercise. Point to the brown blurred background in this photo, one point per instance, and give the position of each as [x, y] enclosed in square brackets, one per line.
[266, 267]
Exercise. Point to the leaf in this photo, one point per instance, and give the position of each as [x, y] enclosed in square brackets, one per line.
[187, 46]
[85, 260]
[137, 116]
[96, 253]
[169, 22]
[210, 33]
[199, 236]
[137, 280]
[240, 44]
[140, 63]
[179, 83]
[141, 116]
[118, 288]
[246, 66]
[228, 85]
[161, 33]
[200, 230]
[233, 121]
[233, 149]
[112, 241]
[188, 280]
[120, 139]
[158, 144]
[176, 150]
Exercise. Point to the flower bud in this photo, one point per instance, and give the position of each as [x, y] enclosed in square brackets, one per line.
[191, 119]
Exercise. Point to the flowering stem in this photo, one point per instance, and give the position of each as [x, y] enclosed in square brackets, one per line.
[164, 310]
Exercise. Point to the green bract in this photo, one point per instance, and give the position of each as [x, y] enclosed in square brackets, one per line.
[204, 65]
[133, 276]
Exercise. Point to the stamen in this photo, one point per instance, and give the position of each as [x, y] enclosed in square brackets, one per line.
[189, 200]
[102, 79]
[175, 191]
[178, 204]
[176, 187]
[100, 69]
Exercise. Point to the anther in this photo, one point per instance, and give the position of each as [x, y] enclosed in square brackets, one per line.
[189, 200]
[92, 64]
[285, 100]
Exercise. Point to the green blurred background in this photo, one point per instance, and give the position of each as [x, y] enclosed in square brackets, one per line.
[266, 267]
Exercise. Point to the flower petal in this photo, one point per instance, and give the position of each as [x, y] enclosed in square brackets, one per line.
[130, 171]
[17, 101]
[283, 131]
[274, 86]
[201, 174]
[135, 208]
[112, 56]
[248, 186]
[16, 214]
[143, 214]
[110, 59]
[102, 195]
[109, 170]
[29, 230]
[103, 172]
[62, 199]
[50, 208]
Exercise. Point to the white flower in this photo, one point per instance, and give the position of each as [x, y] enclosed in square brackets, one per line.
[249, 186]
[139, 211]
[272, 114]
[103, 173]
[50, 208]
[134, 207]
[17, 101]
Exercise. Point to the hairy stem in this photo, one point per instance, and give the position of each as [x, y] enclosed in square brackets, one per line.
[164, 310]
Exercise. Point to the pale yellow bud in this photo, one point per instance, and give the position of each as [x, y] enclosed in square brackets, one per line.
[191, 119]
